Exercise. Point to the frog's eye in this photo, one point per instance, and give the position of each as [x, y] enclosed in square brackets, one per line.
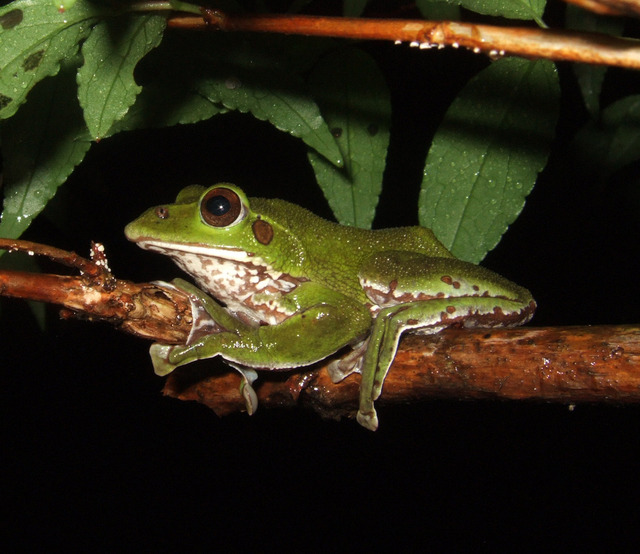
[222, 207]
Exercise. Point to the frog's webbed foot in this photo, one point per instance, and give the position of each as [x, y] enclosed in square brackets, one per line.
[167, 357]
[246, 387]
[160, 355]
[368, 419]
[349, 363]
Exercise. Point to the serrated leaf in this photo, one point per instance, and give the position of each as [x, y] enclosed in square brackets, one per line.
[160, 105]
[487, 153]
[34, 38]
[274, 96]
[106, 86]
[608, 145]
[41, 145]
[261, 75]
[170, 80]
[513, 9]
[354, 100]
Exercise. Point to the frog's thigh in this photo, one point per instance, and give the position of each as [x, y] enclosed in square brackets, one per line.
[312, 335]
[300, 340]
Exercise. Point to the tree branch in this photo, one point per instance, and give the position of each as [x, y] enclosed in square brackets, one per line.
[568, 364]
[592, 48]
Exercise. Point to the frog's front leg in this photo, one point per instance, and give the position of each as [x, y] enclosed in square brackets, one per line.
[310, 334]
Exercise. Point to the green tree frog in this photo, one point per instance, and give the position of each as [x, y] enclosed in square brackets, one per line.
[292, 289]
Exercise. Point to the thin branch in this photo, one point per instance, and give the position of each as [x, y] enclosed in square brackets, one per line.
[146, 310]
[609, 7]
[592, 48]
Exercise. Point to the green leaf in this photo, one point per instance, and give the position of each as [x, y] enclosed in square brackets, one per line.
[170, 78]
[164, 105]
[608, 145]
[513, 9]
[106, 87]
[260, 75]
[34, 38]
[354, 100]
[41, 145]
[274, 96]
[487, 153]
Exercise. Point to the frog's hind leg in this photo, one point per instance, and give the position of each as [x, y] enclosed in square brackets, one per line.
[430, 317]
[382, 347]
[349, 363]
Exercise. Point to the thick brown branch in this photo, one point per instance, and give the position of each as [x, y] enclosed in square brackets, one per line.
[570, 364]
[493, 40]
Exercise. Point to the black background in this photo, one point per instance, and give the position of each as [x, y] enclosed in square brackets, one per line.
[94, 456]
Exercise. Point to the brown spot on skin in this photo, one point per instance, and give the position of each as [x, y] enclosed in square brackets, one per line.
[393, 285]
[451, 309]
[476, 288]
[10, 19]
[262, 231]
[33, 61]
[412, 321]
[446, 279]
[456, 284]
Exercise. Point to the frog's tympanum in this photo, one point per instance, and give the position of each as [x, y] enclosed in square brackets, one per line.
[292, 289]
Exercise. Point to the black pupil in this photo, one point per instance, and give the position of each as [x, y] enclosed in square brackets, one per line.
[218, 205]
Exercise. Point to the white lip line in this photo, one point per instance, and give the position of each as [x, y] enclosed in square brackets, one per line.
[235, 254]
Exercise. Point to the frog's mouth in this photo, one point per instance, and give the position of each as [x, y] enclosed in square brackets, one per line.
[176, 249]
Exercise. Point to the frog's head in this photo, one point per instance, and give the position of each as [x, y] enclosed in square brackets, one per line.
[218, 223]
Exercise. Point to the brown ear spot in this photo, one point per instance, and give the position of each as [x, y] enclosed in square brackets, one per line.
[262, 231]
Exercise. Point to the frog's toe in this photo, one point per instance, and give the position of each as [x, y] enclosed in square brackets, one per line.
[250, 397]
[369, 420]
[160, 358]
[246, 389]
[348, 364]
